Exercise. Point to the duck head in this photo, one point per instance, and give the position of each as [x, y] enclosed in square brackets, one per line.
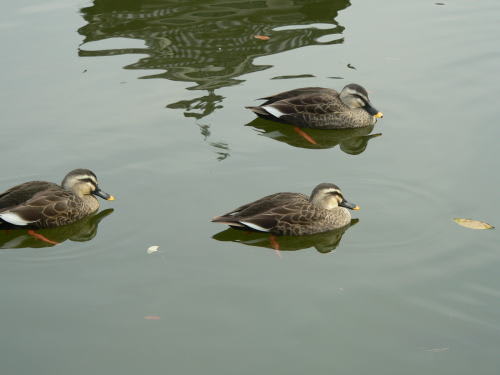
[355, 96]
[329, 196]
[84, 182]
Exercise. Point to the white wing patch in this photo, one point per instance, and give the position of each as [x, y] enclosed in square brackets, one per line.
[14, 219]
[273, 111]
[255, 226]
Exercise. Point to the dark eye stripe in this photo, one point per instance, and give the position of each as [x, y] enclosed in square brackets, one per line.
[88, 180]
[337, 193]
[360, 97]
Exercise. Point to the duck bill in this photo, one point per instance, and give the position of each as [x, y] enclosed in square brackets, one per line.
[103, 195]
[349, 205]
[372, 111]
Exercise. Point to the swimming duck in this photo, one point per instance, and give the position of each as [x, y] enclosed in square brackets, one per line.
[320, 108]
[40, 204]
[293, 214]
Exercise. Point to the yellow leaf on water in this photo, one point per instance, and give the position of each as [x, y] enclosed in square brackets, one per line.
[472, 224]
[262, 37]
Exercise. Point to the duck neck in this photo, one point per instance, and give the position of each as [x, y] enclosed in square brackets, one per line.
[91, 203]
[328, 203]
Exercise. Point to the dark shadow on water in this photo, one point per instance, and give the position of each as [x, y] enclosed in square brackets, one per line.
[210, 43]
[350, 141]
[81, 231]
[322, 242]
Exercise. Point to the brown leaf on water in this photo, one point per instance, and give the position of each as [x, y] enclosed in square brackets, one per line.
[152, 317]
[262, 37]
[472, 224]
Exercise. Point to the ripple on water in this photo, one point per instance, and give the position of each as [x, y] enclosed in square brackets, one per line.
[396, 213]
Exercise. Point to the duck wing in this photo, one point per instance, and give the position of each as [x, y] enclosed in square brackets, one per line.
[44, 209]
[23, 192]
[297, 92]
[311, 107]
[265, 214]
[294, 219]
[264, 204]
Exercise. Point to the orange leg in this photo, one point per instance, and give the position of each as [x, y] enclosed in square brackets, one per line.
[40, 237]
[275, 245]
[306, 136]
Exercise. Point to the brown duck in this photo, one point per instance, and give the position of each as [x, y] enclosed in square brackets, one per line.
[293, 214]
[320, 108]
[40, 204]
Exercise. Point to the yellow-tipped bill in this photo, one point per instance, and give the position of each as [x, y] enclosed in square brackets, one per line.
[357, 208]
[378, 115]
[111, 198]
[349, 205]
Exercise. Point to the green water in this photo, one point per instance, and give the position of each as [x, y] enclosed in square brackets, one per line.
[150, 95]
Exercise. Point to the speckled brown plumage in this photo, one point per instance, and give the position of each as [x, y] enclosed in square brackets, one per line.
[320, 108]
[40, 204]
[291, 214]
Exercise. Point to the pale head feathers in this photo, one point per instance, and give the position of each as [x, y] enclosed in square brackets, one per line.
[354, 96]
[327, 196]
[80, 181]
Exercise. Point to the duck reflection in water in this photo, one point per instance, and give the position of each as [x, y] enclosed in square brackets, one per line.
[81, 231]
[324, 242]
[209, 43]
[350, 141]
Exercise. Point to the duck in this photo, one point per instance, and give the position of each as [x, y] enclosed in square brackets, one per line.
[41, 204]
[293, 214]
[320, 108]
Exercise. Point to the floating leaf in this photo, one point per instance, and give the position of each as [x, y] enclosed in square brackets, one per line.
[152, 317]
[152, 249]
[262, 37]
[472, 224]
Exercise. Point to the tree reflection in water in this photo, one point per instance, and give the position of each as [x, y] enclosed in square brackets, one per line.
[210, 43]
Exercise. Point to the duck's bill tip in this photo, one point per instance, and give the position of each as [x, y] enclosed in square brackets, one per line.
[349, 205]
[356, 208]
[378, 115]
[111, 198]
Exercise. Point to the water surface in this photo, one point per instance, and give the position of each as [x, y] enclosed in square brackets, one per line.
[150, 96]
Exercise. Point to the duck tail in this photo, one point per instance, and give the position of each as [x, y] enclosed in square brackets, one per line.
[259, 111]
[227, 220]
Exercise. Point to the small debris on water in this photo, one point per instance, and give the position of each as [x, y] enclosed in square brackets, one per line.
[437, 350]
[152, 249]
[294, 76]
